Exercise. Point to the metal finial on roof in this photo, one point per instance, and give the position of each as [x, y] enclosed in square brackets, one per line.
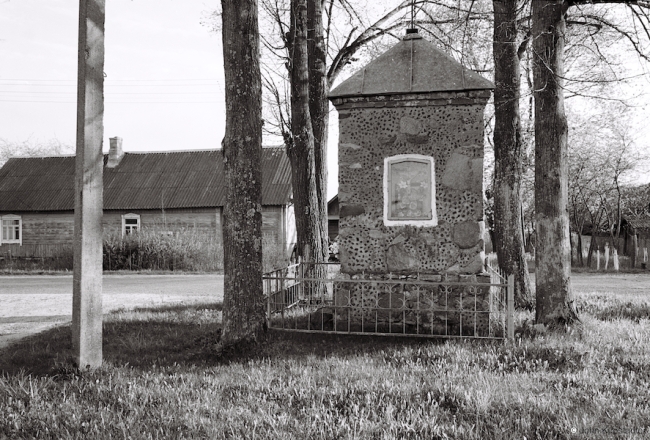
[411, 29]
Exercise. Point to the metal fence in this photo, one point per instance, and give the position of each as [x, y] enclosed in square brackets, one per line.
[319, 299]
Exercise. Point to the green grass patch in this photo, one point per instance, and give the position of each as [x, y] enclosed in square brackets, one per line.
[608, 307]
[162, 378]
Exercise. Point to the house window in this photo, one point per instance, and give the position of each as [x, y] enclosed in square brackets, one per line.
[130, 224]
[409, 190]
[12, 229]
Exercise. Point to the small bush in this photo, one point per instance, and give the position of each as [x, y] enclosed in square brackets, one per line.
[274, 255]
[186, 250]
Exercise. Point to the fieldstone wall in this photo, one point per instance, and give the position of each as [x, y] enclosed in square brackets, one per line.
[450, 305]
[447, 126]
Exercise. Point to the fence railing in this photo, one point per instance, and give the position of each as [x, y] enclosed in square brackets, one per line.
[33, 251]
[335, 303]
[623, 245]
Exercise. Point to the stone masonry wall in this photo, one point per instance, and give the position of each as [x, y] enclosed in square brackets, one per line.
[446, 126]
[455, 305]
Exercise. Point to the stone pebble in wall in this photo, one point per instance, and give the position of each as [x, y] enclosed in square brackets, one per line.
[463, 173]
[413, 130]
[467, 234]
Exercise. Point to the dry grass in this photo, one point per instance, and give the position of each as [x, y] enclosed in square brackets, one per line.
[162, 379]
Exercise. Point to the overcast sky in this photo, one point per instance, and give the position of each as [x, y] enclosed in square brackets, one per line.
[164, 85]
[164, 75]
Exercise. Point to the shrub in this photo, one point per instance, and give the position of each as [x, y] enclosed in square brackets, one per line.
[186, 250]
[274, 255]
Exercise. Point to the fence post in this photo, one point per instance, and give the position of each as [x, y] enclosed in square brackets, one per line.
[268, 302]
[511, 307]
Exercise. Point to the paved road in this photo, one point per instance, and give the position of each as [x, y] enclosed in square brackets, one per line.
[29, 304]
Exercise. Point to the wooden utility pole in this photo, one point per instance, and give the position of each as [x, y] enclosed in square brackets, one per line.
[87, 281]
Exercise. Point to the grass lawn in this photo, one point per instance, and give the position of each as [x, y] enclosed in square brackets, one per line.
[162, 379]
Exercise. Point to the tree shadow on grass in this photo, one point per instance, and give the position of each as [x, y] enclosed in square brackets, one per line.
[181, 335]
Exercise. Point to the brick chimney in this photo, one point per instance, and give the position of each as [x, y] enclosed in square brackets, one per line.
[115, 153]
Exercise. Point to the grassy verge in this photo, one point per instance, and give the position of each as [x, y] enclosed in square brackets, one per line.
[162, 379]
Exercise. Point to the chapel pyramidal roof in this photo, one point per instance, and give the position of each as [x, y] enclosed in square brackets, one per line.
[414, 65]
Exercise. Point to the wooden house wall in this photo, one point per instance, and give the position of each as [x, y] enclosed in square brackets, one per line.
[205, 221]
[272, 224]
[45, 232]
[47, 229]
[333, 219]
[332, 228]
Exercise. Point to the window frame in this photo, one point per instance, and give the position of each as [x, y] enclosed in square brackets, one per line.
[18, 241]
[130, 216]
[400, 158]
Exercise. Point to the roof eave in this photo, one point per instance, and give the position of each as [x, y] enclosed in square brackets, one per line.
[414, 92]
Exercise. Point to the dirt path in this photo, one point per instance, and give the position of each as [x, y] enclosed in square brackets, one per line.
[31, 304]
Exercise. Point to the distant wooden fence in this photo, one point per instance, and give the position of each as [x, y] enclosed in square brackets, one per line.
[618, 243]
[34, 251]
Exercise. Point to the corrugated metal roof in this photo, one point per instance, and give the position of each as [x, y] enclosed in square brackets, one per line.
[413, 65]
[184, 179]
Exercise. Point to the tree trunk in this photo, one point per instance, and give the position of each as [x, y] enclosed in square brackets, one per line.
[310, 223]
[555, 303]
[509, 153]
[243, 304]
[619, 216]
[318, 108]
[581, 261]
[592, 245]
